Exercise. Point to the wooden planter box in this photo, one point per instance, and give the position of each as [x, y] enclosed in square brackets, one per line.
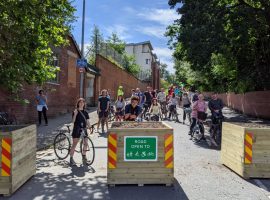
[246, 150]
[18, 156]
[141, 155]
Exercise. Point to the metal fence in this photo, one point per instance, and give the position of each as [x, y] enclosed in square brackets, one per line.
[108, 52]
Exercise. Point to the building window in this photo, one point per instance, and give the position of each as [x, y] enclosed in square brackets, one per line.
[147, 61]
[55, 62]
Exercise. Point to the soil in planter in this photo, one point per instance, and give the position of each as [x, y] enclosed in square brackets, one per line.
[252, 125]
[138, 125]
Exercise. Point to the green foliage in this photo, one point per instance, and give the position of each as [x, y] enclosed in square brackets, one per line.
[166, 75]
[130, 65]
[28, 30]
[164, 84]
[116, 43]
[226, 44]
[95, 45]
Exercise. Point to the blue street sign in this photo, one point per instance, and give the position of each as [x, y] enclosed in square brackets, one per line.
[81, 63]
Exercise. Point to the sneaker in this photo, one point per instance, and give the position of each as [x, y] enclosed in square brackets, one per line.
[189, 133]
[72, 162]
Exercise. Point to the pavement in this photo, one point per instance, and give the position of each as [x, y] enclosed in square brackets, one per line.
[199, 175]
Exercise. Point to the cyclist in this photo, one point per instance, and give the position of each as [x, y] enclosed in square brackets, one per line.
[80, 118]
[186, 104]
[133, 92]
[155, 110]
[133, 110]
[215, 105]
[199, 109]
[161, 97]
[103, 108]
[120, 91]
[120, 106]
[172, 104]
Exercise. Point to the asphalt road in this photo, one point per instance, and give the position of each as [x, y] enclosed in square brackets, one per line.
[198, 175]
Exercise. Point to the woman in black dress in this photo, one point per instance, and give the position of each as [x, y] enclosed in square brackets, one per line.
[80, 118]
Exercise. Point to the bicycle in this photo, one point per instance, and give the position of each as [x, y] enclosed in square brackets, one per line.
[7, 119]
[146, 107]
[111, 114]
[197, 132]
[174, 114]
[164, 110]
[62, 144]
[152, 117]
[216, 127]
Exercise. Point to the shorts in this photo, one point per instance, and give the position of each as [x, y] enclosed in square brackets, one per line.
[76, 133]
[102, 114]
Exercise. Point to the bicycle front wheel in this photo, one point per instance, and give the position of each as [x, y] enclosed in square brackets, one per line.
[87, 148]
[61, 146]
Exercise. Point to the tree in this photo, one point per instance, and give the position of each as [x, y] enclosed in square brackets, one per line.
[130, 65]
[163, 70]
[116, 43]
[226, 42]
[95, 45]
[28, 31]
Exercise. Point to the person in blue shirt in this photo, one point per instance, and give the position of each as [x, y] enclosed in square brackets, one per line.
[42, 107]
[133, 110]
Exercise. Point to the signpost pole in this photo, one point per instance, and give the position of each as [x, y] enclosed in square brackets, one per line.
[82, 50]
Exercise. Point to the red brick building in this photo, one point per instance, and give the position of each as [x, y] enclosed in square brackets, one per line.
[62, 92]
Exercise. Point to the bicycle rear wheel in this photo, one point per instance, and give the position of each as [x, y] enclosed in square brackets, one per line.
[61, 145]
[87, 147]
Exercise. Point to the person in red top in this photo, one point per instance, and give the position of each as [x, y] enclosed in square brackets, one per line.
[171, 91]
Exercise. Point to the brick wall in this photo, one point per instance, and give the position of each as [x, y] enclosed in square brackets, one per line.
[113, 76]
[61, 96]
[255, 104]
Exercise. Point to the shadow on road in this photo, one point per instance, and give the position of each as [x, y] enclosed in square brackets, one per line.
[148, 192]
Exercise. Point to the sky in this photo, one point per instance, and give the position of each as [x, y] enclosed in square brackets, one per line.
[133, 20]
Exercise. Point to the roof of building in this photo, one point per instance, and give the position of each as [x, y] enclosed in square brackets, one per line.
[141, 43]
[92, 69]
[75, 43]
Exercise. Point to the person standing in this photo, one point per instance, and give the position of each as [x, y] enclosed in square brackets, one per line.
[103, 108]
[80, 119]
[215, 105]
[148, 98]
[161, 97]
[186, 104]
[120, 91]
[42, 107]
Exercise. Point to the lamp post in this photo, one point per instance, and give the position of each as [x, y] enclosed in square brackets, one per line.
[82, 50]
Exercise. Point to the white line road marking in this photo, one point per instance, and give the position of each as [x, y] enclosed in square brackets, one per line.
[261, 185]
